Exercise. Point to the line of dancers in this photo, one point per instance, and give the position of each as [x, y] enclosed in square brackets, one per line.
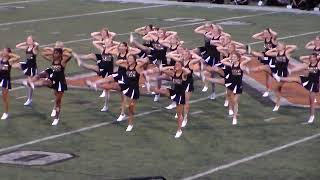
[161, 56]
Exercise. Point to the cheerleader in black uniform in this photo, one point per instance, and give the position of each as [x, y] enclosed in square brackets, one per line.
[130, 88]
[314, 45]
[103, 35]
[29, 67]
[54, 77]
[233, 83]
[103, 66]
[210, 54]
[189, 60]
[173, 44]
[120, 51]
[310, 81]
[270, 41]
[282, 54]
[7, 60]
[226, 49]
[178, 74]
[143, 31]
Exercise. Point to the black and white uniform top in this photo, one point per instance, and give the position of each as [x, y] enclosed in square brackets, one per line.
[57, 76]
[268, 60]
[168, 61]
[317, 50]
[120, 75]
[226, 69]
[5, 69]
[188, 83]
[211, 55]
[148, 44]
[158, 54]
[311, 81]
[177, 93]
[29, 67]
[234, 81]
[131, 87]
[281, 65]
[105, 64]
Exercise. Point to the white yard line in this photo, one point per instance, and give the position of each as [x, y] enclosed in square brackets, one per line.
[196, 112]
[269, 119]
[250, 158]
[288, 37]
[86, 128]
[21, 97]
[20, 2]
[79, 15]
[175, 26]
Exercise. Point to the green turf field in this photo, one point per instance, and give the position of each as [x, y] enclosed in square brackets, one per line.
[105, 151]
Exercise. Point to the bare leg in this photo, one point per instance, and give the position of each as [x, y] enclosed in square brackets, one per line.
[179, 110]
[235, 108]
[58, 99]
[5, 98]
[186, 108]
[278, 96]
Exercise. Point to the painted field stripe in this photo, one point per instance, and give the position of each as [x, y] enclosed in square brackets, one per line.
[288, 37]
[196, 112]
[20, 2]
[78, 15]
[21, 97]
[168, 27]
[269, 119]
[253, 157]
[86, 128]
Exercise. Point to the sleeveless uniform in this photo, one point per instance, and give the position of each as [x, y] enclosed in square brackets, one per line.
[281, 65]
[268, 60]
[131, 89]
[148, 44]
[119, 76]
[170, 62]
[5, 79]
[177, 94]
[316, 50]
[211, 56]
[158, 54]
[57, 77]
[226, 69]
[234, 82]
[29, 67]
[311, 81]
[188, 83]
[105, 64]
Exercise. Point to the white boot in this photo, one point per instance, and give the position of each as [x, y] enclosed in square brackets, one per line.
[156, 97]
[265, 94]
[172, 105]
[234, 121]
[129, 128]
[55, 122]
[178, 134]
[276, 108]
[4, 116]
[121, 117]
[104, 109]
[205, 88]
[311, 119]
[53, 113]
[28, 102]
[103, 94]
[226, 103]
